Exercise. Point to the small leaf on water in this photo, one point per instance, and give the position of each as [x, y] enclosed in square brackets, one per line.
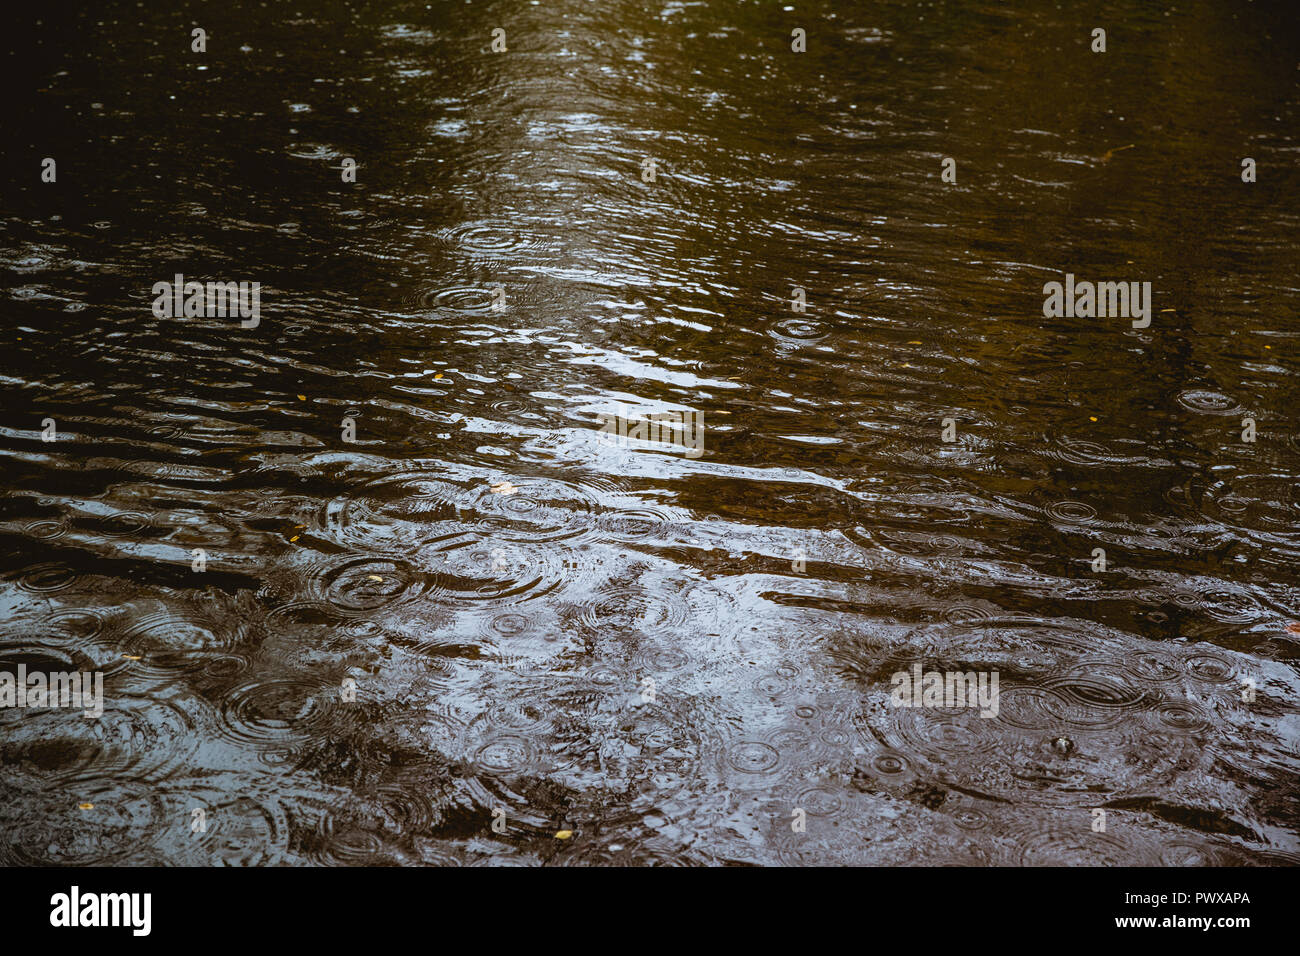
[302, 398]
[373, 577]
[85, 806]
[131, 657]
[294, 538]
[563, 834]
[503, 488]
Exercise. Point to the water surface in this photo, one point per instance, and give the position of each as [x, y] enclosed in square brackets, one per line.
[501, 583]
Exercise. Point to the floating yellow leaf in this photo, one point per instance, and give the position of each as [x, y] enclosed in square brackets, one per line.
[437, 376]
[373, 577]
[563, 834]
[85, 806]
[131, 657]
[914, 343]
[1092, 418]
[302, 398]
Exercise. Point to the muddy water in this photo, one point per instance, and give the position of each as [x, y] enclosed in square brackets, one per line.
[681, 658]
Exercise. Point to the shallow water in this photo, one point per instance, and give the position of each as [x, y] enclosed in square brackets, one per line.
[500, 581]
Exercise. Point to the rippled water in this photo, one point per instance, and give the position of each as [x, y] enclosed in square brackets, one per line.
[501, 582]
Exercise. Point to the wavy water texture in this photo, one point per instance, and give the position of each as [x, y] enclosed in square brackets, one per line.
[404, 485]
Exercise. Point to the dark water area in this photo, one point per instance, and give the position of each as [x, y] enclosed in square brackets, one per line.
[670, 653]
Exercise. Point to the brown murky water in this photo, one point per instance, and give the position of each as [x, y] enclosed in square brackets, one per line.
[675, 657]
